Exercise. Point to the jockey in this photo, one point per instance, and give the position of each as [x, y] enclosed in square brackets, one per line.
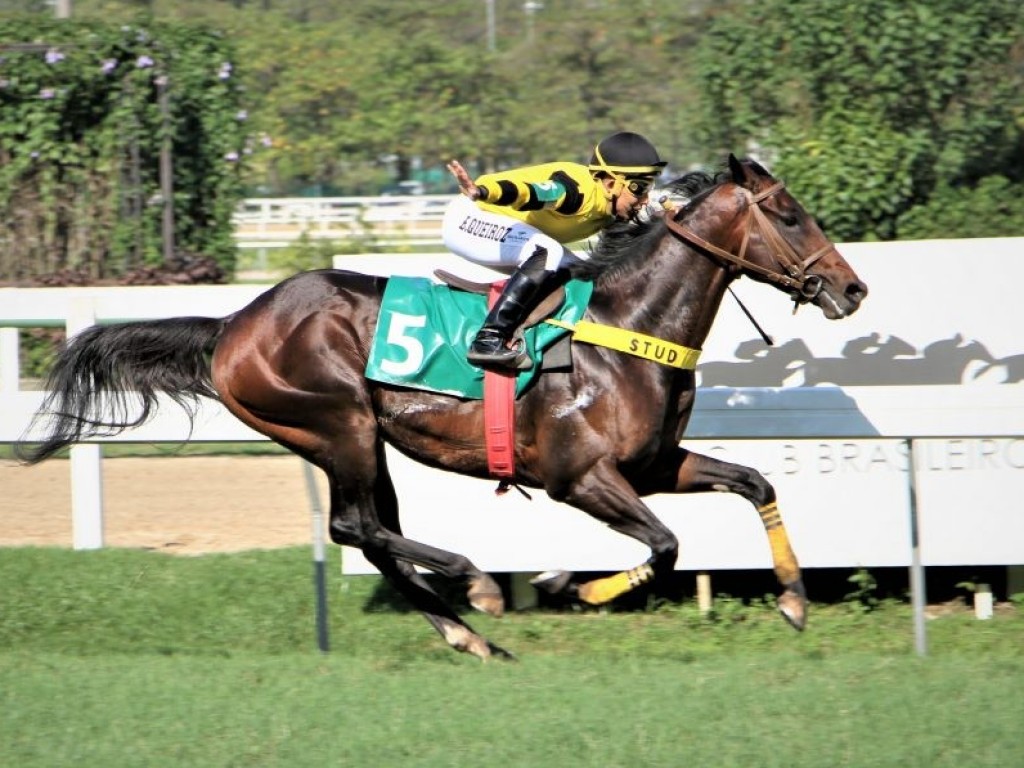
[520, 220]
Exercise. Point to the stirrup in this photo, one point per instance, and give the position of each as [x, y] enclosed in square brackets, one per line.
[491, 352]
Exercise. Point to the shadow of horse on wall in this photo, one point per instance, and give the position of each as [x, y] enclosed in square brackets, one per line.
[872, 360]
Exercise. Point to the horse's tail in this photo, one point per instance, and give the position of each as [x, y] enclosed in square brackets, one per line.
[107, 378]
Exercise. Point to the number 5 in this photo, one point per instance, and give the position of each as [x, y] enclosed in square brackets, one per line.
[413, 347]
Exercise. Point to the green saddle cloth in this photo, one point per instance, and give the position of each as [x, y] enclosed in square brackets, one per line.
[424, 330]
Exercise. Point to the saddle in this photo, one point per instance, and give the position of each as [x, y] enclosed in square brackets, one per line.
[558, 357]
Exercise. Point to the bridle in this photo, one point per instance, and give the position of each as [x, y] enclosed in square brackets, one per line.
[803, 287]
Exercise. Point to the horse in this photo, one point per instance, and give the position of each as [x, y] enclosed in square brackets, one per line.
[599, 435]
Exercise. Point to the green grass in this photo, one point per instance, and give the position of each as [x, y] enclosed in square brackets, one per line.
[126, 658]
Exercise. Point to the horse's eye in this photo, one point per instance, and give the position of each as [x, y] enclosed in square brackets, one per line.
[789, 220]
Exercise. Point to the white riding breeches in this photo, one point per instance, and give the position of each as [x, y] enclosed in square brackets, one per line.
[499, 242]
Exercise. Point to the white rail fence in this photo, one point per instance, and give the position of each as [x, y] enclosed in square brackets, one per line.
[265, 223]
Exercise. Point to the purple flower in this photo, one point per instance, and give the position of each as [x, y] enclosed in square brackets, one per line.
[143, 62]
[266, 141]
[47, 93]
[225, 70]
[241, 115]
[53, 56]
[33, 155]
[231, 157]
[109, 65]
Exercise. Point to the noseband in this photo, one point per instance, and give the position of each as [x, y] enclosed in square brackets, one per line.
[802, 286]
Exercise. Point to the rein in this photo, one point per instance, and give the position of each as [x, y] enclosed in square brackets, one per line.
[804, 287]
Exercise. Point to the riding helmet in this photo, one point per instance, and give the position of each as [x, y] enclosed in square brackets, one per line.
[626, 154]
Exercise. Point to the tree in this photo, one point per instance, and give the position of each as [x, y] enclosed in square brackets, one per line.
[82, 126]
[868, 106]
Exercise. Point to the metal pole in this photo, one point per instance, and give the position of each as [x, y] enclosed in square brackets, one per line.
[319, 551]
[62, 9]
[917, 585]
[491, 38]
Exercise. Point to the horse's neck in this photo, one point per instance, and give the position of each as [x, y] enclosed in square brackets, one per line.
[674, 294]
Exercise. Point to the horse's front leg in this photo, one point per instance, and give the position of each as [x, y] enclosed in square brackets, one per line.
[606, 495]
[695, 473]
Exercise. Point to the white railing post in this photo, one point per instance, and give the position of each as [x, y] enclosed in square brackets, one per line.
[87, 496]
[86, 459]
[10, 371]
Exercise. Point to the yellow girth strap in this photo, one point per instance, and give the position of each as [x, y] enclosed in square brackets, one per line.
[632, 343]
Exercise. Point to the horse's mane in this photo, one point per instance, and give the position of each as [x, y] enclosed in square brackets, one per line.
[626, 239]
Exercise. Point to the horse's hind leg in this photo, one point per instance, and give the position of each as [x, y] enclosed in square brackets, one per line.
[483, 592]
[695, 473]
[360, 482]
[456, 632]
[293, 391]
[364, 514]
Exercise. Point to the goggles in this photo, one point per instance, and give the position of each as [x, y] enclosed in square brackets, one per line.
[638, 186]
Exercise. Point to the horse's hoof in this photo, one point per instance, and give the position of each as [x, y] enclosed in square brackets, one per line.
[485, 595]
[552, 582]
[483, 649]
[793, 606]
[465, 640]
[498, 652]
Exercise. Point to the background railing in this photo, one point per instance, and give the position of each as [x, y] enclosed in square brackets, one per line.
[398, 220]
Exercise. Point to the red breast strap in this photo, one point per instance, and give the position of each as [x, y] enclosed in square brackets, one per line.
[499, 412]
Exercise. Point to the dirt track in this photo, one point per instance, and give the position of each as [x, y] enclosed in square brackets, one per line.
[182, 505]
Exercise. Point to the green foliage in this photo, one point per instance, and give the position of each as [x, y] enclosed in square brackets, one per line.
[38, 349]
[81, 132]
[307, 253]
[864, 597]
[303, 254]
[994, 208]
[871, 109]
[870, 105]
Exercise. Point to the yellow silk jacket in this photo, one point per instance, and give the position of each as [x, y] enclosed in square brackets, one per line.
[562, 200]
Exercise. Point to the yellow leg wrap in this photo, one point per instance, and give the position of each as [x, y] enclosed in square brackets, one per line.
[786, 567]
[604, 590]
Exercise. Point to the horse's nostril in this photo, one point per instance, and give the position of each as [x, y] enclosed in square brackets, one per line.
[856, 291]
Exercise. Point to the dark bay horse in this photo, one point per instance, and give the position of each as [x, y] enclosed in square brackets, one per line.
[599, 436]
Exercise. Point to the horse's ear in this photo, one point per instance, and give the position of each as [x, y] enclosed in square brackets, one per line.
[739, 173]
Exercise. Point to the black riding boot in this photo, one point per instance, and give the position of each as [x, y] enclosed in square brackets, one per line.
[520, 295]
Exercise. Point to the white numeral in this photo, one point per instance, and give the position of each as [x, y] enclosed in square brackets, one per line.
[413, 348]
